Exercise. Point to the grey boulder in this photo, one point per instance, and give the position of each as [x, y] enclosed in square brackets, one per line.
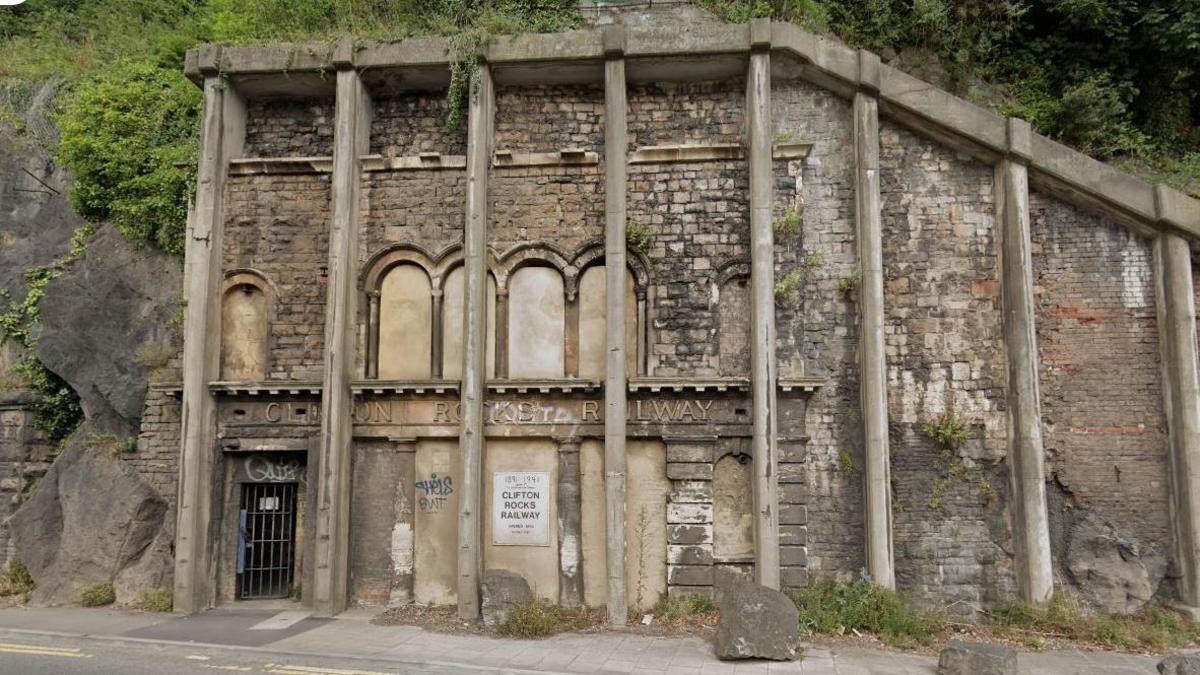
[502, 590]
[1180, 664]
[93, 521]
[1112, 571]
[975, 658]
[757, 623]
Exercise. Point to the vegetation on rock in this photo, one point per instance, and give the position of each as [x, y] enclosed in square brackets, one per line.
[156, 600]
[98, 595]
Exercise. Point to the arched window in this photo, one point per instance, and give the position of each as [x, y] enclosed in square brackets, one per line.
[536, 324]
[733, 519]
[452, 325]
[593, 325]
[734, 327]
[245, 328]
[405, 324]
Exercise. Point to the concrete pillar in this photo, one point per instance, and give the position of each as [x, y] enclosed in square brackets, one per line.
[765, 484]
[372, 334]
[481, 114]
[1031, 526]
[872, 355]
[570, 524]
[352, 130]
[615, 377]
[223, 132]
[437, 347]
[501, 333]
[1181, 401]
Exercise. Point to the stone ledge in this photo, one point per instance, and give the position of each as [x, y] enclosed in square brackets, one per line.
[504, 159]
[426, 161]
[257, 166]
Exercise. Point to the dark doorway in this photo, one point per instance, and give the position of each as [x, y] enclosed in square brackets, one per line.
[266, 540]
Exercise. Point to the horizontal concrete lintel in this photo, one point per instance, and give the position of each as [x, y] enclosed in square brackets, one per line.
[251, 166]
[245, 444]
[666, 154]
[565, 157]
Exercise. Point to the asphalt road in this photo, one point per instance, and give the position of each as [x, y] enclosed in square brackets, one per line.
[30, 654]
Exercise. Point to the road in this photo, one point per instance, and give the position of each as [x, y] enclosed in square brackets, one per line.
[32, 654]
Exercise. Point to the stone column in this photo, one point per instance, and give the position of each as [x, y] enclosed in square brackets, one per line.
[1031, 526]
[570, 524]
[437, 344]
[872, 356]
[1181, 401]
[501, 331]
[373, 334]
[480, 118]
[223, 132]
[615, 387]
[352, 129]
[762, 329]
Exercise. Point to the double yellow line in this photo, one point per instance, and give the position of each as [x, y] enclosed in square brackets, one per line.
[283, 669]
[40, 650]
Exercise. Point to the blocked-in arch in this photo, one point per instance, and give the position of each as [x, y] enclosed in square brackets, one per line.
[247, 312]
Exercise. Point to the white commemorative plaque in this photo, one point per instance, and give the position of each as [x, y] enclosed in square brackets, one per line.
[521, 508]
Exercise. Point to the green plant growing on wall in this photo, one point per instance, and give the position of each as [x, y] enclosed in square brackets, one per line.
[637, 234]
[787, 289]
[947, 430]
[790, 223]
[846, 463]
[848, 285]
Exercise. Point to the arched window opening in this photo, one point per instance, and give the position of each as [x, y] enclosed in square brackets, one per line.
[536, 326]
[453, 325]
[733, 519]
[593, 324]
[405, 324]
[734, 327]
[245, 325]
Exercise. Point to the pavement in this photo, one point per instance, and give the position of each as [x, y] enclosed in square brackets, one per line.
[286, 639]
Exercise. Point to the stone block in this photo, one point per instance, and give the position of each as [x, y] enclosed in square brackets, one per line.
[757, 623]
[502, 590]
[689, 513]
[694, 554]
[974, 658]
[793, 535]
[689, 452]
[689, 534]
[793, 493]
[793, 515]
[689, 471]
[692, 492]
[793, 577]
[680, 592]
[689, 575]
[792, 473]
[793, 556]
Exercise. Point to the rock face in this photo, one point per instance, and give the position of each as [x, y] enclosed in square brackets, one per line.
[101, 318]
[1111, 571]
[93, 521]
[502, 590]
[1180, 664]
[757, 623]
[974, 658]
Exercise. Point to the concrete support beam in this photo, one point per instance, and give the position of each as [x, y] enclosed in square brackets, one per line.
[765, 482]
[223, 133]
[1181, 401]
[352, 129]
[570, 524]
[1031, 526]
[872, 355]
[615, 377]
[481, 113]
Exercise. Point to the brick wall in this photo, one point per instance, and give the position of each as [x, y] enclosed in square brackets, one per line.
[1105, 434]
[945, 355]
[279, 226]
[817, 336]
[25, 456]
[547, 119]
[156, 459]
[686, 113]
[425, 208]
[289, 128]
[414, 123]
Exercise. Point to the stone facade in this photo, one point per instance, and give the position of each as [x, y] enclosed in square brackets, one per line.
[25, 456]
[955, 511]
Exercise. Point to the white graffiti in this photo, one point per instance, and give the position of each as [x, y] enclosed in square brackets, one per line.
[263, 470]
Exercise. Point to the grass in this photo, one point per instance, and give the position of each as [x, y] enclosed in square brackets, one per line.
[98, 595]
[829, 607]
[156, 600]
[1155, 628]
[16, 580]
[539, 619]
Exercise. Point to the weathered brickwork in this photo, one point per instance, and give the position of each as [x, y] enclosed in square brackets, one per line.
[548, 119]
[817, 336]
[411, 124]
[945, 356]
[697, 216]
[686, 113]
[279, 226]
[1103, 423]
[289, 128]
[156, 459]
[25, 456]
[423, 208]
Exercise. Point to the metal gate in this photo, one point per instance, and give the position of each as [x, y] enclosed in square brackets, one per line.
[267, 537]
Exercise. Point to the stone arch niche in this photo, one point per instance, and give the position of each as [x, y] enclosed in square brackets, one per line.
[733, 510]
[452, 325]
[536, 324]
[405, 324]
[733, 321]
[245, 328]
[593, 323]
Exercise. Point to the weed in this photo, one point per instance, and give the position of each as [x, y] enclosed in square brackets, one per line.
[1155, 628]
[948, 431]
[637, 234]
[156, 600]
[848, 284]
[98, 595]
[846, 463]
[675, 609]
[790, 223]
[831, 607]
[16, 580]
[539, 619]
